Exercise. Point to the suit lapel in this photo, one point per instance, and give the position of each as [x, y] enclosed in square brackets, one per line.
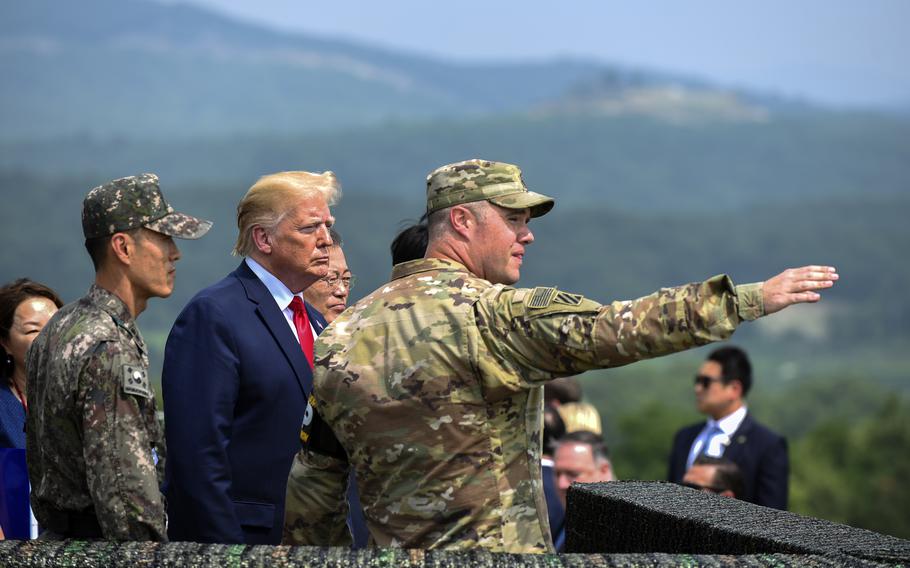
[739, 439]
[277, 324]
[316, 320]
[692, 435]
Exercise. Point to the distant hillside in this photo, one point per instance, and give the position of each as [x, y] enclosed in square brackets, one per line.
[625, 163]
[675, 99]
[137, 68]
[129, 67]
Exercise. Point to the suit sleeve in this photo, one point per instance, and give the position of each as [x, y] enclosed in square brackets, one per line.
[674, 474]
[772, 482]
[200, 382]
[117, 449]
[550, 333]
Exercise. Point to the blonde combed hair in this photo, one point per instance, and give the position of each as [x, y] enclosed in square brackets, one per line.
[580, 416]
[273, 196]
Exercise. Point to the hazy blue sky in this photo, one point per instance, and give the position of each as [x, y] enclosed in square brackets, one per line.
[834, 51]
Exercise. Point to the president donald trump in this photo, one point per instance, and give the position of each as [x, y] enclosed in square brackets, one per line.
[238, 368]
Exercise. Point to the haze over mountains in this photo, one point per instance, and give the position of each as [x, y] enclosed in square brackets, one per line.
[137, 68]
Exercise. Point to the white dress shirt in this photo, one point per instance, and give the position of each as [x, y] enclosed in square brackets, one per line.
[723, 432]
[281, 293]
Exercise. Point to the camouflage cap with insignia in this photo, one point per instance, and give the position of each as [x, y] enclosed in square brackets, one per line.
[479, 180]
[133, 202]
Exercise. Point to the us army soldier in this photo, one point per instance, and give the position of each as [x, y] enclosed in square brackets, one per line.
[95, 452]
[431, 386]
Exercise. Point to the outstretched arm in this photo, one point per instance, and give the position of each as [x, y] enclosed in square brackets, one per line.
[796, 286]
[553, 333]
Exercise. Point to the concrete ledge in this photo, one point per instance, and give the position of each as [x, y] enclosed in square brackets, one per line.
[646, 517]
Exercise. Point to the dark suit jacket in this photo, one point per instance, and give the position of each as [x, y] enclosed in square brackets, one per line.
[555, 512]
[760, 454]
[235, 384]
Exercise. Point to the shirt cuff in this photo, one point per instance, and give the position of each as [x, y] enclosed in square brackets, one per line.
[749, 303]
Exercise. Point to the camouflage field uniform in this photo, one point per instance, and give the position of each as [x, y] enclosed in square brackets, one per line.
[432, 385]
[95, 451]
[93, 438]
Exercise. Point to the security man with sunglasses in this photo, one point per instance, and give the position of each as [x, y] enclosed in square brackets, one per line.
[721, 385]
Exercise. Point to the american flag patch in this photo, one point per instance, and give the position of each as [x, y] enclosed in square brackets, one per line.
[541, 297]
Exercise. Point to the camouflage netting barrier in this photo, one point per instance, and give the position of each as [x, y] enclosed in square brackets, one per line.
[615, 524]
[648, 517]
[81, 554]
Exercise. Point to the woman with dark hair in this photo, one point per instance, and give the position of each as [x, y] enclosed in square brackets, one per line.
[25, 308]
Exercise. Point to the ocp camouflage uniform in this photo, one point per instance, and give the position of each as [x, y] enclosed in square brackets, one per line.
[432, 385]
[94, 444]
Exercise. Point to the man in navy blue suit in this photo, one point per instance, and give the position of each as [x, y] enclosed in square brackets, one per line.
[238, 368]
[721, 385]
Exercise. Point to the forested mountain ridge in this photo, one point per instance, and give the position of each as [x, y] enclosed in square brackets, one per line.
[127, 68]
[113, 67]
[625, 163]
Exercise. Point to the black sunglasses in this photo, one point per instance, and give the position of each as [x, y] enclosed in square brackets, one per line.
[705, 381]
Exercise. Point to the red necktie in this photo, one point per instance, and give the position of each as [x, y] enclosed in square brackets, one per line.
[302, 324]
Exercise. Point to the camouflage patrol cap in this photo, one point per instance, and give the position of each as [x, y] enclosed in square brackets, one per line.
[133, 202]
[479, 180]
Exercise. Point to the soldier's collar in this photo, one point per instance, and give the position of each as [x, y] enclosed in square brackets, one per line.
[110, 303]
[425, 265]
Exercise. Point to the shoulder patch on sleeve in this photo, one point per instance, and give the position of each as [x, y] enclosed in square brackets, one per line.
[568, 299]
[540, 297]
[135, 381]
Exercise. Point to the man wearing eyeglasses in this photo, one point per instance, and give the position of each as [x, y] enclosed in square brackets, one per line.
[721, 385]
[329, 294]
